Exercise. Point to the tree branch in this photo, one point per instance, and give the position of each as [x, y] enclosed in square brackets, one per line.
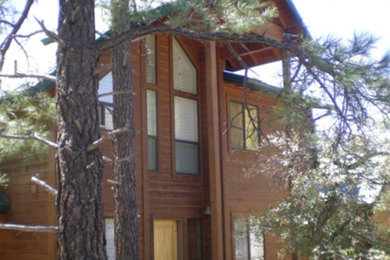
[51, 34]
[107, 160]
[23, 75]
[31, 137]
[27, 35]
[29, 228]
[7, 42]
[114, 93]
[208, 36]
[35, 179]
[108, 136]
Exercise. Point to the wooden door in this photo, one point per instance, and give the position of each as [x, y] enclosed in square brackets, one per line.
[165, 239]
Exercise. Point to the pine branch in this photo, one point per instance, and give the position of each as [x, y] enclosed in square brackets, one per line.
[206, 36]
[108, 136]
[103, 35]
[35, 179]
[51, 34]
[29, 228]
[31, 137]
[107, 160]
[245, 90]
[114, 93]
[23, 75]
[28, 35]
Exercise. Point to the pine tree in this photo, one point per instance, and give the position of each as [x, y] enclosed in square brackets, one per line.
[347, 85]
[125, 214]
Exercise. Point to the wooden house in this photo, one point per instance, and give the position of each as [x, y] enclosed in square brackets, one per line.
[190, 154]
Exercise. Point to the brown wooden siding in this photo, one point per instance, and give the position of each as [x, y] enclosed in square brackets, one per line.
[30, 205]
[244, 195]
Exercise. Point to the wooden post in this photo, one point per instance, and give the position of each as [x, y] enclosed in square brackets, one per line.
[214, 152]
[286, 67]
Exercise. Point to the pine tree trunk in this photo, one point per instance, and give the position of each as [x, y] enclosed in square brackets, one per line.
[126, 228]
[126, 231]
[79, 204]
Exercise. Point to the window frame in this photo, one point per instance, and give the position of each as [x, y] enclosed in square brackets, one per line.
[154, 54]
[102, 115]
[186, 141]
[185, 95]
[156, 137]
[247, 237]
[196, 94]
[243, 122]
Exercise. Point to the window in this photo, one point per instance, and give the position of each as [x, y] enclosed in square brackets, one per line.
[105, 102]
[105, 116]
[186, 136]
[151, 111]
[184, 72]
[248, 240]
[110, 247]
[243, 126]
[185, 111]
[150, 49]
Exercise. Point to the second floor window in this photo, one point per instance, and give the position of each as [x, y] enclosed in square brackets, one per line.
[186, 136]
[185, 88]
[151, 111]
[243, 126]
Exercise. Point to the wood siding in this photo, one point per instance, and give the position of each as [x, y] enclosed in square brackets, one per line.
[243, 195]
[30, 205]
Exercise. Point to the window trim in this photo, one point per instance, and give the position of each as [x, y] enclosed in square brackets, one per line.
[102, 115]
[156, 137]
[186, 141]
[155, 83]
[244, 129]
[180, 92]
[245, 215]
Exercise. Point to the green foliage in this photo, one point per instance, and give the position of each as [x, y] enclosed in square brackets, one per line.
[235, 16]
[26, 115]
[223, 15]
[339, 174]
[326, 215]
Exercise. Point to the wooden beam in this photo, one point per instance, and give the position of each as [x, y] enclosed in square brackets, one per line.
[214, 152]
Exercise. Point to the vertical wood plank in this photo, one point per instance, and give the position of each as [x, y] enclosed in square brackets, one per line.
[214, 152]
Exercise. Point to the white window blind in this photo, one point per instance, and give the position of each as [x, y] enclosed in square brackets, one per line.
[186, 119]
[184, 72]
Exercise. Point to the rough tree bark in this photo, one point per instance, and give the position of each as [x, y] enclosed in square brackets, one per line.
[126, 228]
[79, 205]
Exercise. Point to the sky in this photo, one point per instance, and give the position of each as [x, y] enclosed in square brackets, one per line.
[339, 18]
